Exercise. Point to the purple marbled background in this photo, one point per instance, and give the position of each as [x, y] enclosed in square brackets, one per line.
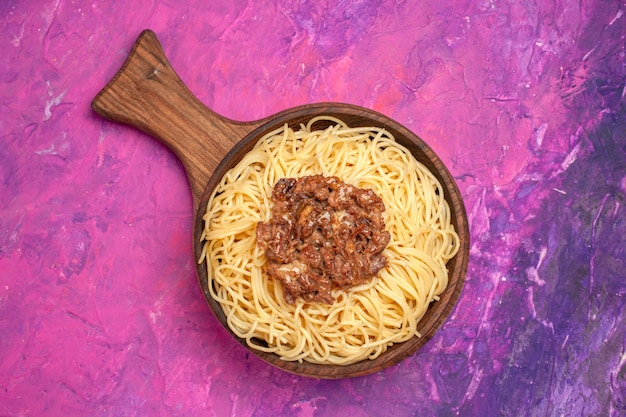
[100, 312]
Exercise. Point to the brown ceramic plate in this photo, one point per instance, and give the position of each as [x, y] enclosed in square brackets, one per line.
[147, 94]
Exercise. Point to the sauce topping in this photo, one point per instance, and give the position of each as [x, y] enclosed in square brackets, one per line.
[323, 235]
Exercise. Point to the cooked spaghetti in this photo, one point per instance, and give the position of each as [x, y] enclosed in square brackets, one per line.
[362, 321]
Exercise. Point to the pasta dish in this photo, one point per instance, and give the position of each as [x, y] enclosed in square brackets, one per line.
[344, 323]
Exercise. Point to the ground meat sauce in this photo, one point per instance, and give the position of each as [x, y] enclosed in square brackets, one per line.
[323, 235]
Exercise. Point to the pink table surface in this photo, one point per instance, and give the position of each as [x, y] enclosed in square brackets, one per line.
[100, 311]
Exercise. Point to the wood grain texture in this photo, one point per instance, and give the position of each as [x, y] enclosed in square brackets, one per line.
[147, 94]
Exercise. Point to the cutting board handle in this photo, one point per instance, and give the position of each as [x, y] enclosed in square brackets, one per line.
[146, 93]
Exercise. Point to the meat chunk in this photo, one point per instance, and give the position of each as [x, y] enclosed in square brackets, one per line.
[323, 235]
